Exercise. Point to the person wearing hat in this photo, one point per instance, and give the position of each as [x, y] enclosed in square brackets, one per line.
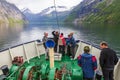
[88, 63]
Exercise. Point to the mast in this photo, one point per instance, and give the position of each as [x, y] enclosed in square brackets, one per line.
[56, 14]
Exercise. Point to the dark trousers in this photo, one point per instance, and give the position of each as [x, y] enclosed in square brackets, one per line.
[44, 46]
[108, 74]
[47, 54]
[62, 49]
[87, 78]
[98, 77]
[68, 50]
[72, 49]
[55, 48]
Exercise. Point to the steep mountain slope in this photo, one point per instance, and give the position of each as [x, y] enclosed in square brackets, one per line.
[109, 13]
[96, 11]
[47, 15]
[9, 13]
[29, 14]
[81, 10]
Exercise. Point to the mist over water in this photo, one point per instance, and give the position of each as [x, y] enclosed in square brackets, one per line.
[94, 34]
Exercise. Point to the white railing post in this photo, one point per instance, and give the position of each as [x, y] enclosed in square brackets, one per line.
[36, 47]
[10, 54]
[25, 53]
[78, 50]
[91, 49]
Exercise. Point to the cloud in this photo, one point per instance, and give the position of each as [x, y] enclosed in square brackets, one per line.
[38, 5]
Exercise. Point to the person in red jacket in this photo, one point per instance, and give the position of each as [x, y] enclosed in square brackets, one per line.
[62, 44]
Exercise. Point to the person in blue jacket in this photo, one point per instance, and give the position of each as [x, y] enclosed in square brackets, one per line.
[72, 43]
[68, 45]
[88, 63]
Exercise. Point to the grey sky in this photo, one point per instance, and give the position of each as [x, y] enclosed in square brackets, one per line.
[38, 5]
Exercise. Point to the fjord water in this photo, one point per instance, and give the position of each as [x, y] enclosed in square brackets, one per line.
[18, 33]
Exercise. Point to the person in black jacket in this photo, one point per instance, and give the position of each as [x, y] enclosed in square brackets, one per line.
[108, 59]
[56, 37]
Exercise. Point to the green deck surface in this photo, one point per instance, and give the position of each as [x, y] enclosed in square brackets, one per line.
[65, 60]
[37, 62]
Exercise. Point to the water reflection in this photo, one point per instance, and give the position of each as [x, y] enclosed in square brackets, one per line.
[9, 34]
[18, 33]
[97, 33]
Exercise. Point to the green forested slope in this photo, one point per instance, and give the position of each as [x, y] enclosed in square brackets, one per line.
[109, 13]
[99, 11]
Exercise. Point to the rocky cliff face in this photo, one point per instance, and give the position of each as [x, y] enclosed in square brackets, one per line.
[109, 12]
[83, 9]
[9, 13]
[96, 11]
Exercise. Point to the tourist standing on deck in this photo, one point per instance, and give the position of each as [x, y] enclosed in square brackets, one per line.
[108, 59]
[68, 46]
[88, 63]
[55, 38]
[62, 44]
[44, 39]
[72, 45]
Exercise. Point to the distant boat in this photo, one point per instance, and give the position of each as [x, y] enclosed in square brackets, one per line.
[32, 64]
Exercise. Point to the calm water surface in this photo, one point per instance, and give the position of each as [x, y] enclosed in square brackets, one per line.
[17, 34]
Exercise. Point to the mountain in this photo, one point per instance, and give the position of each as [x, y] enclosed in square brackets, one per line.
[95, 11]
[52, 9]
[109, 12]
[81, 10]
[9, 13]
[26, 10]
[47, 15]
[29, 14]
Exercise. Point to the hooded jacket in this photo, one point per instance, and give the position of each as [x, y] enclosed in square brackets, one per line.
[88, 63]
